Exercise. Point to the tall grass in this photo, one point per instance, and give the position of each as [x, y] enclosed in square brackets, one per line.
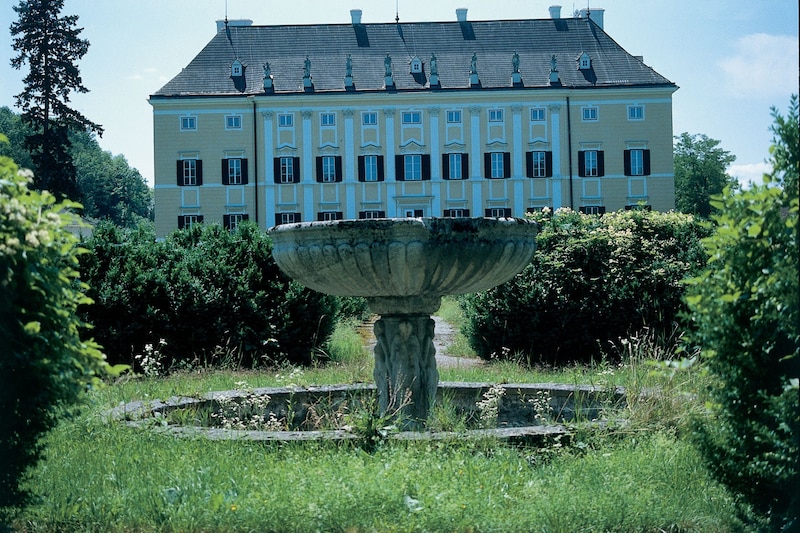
[112, 478]
[101, 476]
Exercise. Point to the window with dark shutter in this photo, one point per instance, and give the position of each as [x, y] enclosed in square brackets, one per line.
[328, 169]
[370, 168]
[591, 163]
[497, 165]
[189, 172]
[455, 166]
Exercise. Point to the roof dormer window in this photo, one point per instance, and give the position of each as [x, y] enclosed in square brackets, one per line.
[584, 62]
[236, 68]
[416, 65]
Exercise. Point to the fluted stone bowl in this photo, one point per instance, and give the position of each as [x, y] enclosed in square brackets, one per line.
[404, 265]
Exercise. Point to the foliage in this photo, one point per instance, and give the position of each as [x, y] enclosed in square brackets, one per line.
[745, 307]
[592, 281]
[211, 295]
[109, 187]
[44, 365]
[785, 149]
[700, 173]
[50, 45]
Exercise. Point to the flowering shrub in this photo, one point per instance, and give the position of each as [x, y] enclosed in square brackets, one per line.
[45, 367]
[592, 281]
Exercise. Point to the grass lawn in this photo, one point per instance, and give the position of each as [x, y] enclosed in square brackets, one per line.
[100, 476]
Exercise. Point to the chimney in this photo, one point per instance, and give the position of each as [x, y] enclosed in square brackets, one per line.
[461, 14]
[233, 22]
[355, 16]
[555, 12]
[595, 14]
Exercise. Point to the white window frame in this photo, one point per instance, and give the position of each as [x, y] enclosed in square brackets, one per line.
[412, 167]
[286, 120]
[455, 171]
[233, 122]
[498, 169]
[458, 212]
[592, 209]
[190, 220]
[234, 220]
[287, 218]
[590, 164]
[497, 212]
[539, 164]
[590, 114]
[495, 115]
[412, 117]
[416, 65]
[636, 112]
[287, 169]
[637, 162]
[538, 114]
[327, 119]
[234, 171]
[371, 168]
[369, 118]
[328, 169]
[454, 116]
[188, 123]
[329, 215]
[190, 172]
[372, 213]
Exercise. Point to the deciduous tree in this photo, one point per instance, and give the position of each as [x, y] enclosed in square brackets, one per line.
[785, 149]
[700, 172]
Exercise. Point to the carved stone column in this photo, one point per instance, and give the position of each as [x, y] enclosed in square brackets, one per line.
[405, 367]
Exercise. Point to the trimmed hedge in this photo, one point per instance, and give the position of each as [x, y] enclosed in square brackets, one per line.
[593, 280]
[213, 296]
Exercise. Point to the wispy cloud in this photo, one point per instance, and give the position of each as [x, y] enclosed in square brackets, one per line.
[763, 66]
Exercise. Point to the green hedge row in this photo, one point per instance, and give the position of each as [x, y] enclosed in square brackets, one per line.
[203, 295]
[593, 280]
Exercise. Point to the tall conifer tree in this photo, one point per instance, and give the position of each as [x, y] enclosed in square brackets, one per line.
[50, 45]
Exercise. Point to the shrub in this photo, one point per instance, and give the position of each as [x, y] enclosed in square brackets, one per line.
[45, 367]
[745, 306]
[214, 296]
[592, 280]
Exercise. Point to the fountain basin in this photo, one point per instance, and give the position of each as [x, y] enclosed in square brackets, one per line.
[404, 266]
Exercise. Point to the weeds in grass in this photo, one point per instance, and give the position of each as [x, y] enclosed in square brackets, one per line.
[489, 406]
[151, 361]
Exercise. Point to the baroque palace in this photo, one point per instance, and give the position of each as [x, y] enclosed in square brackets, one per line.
[280, 124]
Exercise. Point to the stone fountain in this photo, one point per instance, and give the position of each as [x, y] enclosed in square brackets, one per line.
[403, 267]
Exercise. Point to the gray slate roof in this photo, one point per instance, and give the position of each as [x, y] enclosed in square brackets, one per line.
[327, 46]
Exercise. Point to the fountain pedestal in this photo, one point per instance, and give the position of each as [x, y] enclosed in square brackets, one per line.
[403, 267]
[405, 367]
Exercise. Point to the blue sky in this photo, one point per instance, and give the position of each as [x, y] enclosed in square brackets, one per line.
[731, 59]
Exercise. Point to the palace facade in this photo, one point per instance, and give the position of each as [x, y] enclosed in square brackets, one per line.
[279, 124]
